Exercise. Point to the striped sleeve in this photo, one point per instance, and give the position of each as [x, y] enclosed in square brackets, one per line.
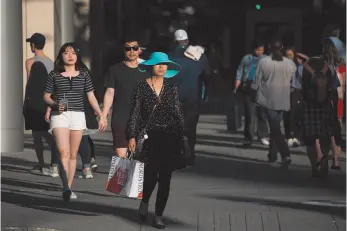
[88, 87]
[49, 88]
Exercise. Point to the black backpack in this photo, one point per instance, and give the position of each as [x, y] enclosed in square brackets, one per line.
[34, 107]
[316, 78]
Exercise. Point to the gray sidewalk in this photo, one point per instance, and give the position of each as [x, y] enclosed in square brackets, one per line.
[229, 189]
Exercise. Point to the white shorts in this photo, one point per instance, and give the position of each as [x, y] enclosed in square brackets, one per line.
[73, 120]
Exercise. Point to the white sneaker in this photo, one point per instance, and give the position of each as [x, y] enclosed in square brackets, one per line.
[73, 195]
[54, 172]
[87, 173]
[265, 141]
[296, 142]
[46, 171]
[290, 142]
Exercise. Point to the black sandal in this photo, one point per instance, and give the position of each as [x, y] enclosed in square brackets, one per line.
[321, 161]
[335, 167]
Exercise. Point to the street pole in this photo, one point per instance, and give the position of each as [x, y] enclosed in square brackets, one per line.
[12, 134]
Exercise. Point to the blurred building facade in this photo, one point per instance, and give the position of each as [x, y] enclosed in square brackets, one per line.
[98, 26]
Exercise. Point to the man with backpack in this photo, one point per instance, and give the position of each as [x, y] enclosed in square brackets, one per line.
[189, 81]
[34, 107]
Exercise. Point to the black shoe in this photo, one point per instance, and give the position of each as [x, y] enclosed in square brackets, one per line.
[143, 211]
[315, 172]
[335, 167]
[247, 144]
[286, 162]
[158, 222]
[66, 194]
[270, 159]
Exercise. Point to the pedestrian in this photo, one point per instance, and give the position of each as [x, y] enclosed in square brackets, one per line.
[272, 85]
[316, 118]
[295, 97]
[67, 85]
[120, 82]
[155, 104]
[194, 74]
[331, 55]
[254, 115]
[34, 107]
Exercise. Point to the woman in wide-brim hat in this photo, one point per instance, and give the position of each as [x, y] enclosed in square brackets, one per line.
[165, 129]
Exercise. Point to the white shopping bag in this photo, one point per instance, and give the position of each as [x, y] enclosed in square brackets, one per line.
[126, 177]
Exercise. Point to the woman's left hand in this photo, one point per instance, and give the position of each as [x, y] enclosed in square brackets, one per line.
[102, 124]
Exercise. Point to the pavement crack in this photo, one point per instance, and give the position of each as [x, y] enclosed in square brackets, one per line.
[334, 222]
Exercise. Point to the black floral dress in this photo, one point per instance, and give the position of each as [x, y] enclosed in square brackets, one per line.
[165, 128]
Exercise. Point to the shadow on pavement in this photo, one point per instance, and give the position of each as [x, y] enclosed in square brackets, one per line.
[74, 207]
[335, 211]
[229, 166]
[236, 142]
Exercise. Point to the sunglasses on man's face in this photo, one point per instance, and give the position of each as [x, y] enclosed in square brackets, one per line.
[134, 48]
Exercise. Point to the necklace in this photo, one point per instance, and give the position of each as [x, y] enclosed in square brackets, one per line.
[153, 87]
[157, 94]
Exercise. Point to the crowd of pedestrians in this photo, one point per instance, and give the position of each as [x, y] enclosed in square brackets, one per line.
[163, 95]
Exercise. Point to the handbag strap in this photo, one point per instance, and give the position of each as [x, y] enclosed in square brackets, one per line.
[155, 106]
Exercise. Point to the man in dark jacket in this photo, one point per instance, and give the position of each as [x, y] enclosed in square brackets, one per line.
[189, 82]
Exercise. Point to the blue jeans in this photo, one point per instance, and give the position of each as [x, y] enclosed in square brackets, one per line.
[277, 140]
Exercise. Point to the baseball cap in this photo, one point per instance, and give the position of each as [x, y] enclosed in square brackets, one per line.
[180, 35]
[37, 38]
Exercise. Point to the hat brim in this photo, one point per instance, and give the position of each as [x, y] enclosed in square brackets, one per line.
[172, 68]
[28, 40]
[340, 47]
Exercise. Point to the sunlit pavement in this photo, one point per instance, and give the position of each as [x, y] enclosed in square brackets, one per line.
[229, 188]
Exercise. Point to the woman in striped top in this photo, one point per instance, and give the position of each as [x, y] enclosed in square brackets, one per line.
[65, 88]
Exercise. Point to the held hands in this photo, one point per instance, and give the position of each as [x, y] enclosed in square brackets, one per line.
[102, 123]
[132, 145]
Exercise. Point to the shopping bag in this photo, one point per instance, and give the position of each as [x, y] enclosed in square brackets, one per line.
[126, 177]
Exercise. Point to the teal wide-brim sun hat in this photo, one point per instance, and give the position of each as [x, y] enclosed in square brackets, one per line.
[161, 58]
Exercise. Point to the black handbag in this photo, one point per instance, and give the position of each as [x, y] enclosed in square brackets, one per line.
[185, 149]
[142, 137]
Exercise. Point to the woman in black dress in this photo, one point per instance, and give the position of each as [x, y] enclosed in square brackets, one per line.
[161, 150]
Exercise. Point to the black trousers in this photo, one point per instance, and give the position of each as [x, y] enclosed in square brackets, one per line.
[255, 116]
[277, 141]
[85, 151]
[92, 147]
[38, 137]
[152, 176]
[289, 117]
[191, 117]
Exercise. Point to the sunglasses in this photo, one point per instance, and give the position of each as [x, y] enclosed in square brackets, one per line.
[134, 48]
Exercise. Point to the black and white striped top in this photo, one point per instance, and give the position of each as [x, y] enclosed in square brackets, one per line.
[73, 89]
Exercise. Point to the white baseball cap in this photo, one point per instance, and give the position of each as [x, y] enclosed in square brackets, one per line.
[180, 35]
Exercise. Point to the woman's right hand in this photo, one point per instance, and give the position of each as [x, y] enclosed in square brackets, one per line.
[61, 108]
[132, 145]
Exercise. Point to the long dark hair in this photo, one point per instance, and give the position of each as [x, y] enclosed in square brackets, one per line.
[329, 52]
[276, 49]
[59, 63]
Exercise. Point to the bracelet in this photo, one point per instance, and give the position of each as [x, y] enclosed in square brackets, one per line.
[55, 105]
